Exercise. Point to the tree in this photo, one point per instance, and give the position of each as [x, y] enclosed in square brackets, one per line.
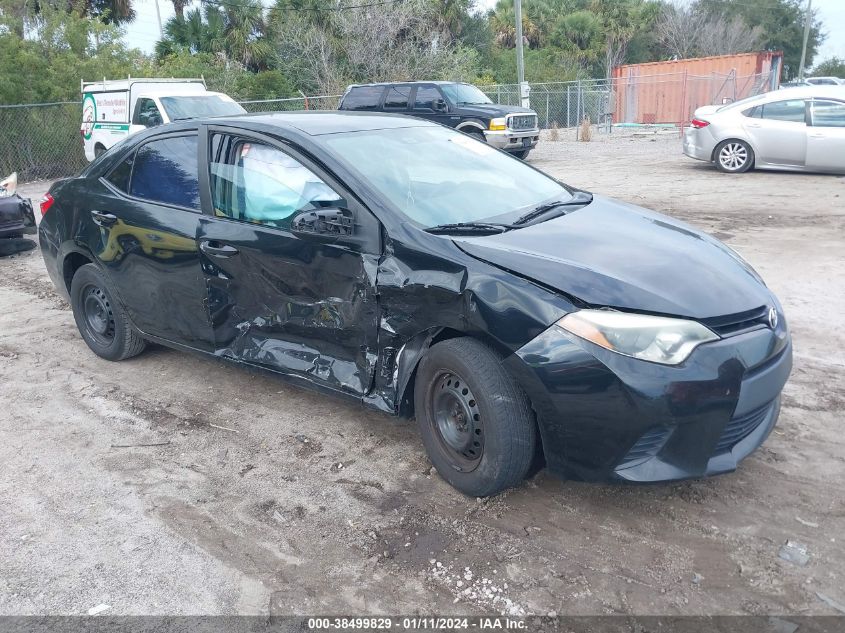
[393, 42]
[679, 28]
[179, 7]
[781, 23]
[621, 20]
[685, 30]
[831, 67]
[235, 30]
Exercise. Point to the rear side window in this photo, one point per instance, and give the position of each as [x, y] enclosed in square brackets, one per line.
[792, 110]
[397, 97]
[363, 98]
[426, 96]
[166, 171]
[119, 176]
[828, 113]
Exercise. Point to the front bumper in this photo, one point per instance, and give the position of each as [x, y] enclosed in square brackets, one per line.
[604, 416]
[511, 140]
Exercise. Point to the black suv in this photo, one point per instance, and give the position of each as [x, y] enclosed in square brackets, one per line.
[461, 106]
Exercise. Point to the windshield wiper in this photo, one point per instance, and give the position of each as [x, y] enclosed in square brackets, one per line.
[479, 227]
[579, 198]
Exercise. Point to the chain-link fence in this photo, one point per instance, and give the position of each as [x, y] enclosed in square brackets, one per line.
[43, 140]
[652, 99]
[327, 102]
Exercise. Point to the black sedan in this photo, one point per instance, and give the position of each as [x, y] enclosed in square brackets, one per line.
[423, 273]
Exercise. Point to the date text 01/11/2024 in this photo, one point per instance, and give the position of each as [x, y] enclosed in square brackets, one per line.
[417, 623]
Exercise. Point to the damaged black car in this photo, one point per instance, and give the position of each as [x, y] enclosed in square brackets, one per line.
[16, 219]
[423, 273]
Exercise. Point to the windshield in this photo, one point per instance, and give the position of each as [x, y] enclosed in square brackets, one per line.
[199, 106]
[464, 93]
[434, 175]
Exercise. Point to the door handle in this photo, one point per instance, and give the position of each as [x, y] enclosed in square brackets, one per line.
[217, 249]
[103, 219]
[753, 124]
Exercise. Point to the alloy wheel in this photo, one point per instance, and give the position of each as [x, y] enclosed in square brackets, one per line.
[733, 156]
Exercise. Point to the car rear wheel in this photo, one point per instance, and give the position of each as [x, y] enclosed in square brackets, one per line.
[101, 320]
[734, 156]
[476, 422]
[99, 150]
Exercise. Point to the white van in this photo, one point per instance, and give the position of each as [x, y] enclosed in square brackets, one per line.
[115, 109]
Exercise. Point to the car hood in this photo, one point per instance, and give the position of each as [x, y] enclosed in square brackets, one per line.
[491, 110]
[613, 254]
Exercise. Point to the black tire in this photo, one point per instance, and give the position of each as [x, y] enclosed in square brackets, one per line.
[733, 156]
[522, 154]
[99, 150]
[100, 318]
[476, 422]
[475, 133]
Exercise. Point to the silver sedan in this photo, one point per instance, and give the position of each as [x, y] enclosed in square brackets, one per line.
[796, 129]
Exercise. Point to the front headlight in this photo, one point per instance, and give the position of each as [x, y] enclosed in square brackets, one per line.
[657, 339]
[500, 123]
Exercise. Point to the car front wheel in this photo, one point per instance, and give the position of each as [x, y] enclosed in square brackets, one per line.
[734, 156]
[476, 422]
[101, 320]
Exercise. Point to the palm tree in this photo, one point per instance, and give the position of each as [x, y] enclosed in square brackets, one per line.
[109, 11]
[244, 28]
[179, 7]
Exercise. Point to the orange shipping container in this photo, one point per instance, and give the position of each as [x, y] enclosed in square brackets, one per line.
[670, 91]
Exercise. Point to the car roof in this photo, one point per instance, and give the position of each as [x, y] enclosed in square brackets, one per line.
[405, 83]
[316, 122]
[807, 91]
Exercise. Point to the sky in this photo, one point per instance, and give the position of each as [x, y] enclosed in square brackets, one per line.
[143, 32]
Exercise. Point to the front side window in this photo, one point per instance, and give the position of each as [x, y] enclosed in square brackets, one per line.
[828, 113]
[147, 114]
[257, 183]
[792, 110]
[426, 97]
[166, 171]
[465, 94]
[397, 97]
[435, 175]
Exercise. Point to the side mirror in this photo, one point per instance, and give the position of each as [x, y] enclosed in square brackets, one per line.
[439, 105]
[331, 222]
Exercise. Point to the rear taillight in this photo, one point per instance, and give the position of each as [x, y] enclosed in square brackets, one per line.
[46, 202]
[698, 123]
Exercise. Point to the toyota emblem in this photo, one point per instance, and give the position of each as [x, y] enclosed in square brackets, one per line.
[773, 318]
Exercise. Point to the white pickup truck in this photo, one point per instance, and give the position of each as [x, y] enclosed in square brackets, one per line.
[115, 109]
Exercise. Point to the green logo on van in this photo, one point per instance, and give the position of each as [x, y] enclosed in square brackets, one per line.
[89, 116]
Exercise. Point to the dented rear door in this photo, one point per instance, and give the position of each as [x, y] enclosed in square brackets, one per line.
[300, 306]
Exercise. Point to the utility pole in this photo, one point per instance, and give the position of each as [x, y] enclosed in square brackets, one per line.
[807, 17]
[520, 61]
[158, 15]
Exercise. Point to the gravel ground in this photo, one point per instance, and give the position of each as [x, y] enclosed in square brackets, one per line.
[302, 504]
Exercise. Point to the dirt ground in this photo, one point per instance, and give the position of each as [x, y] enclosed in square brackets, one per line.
[294, 503]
